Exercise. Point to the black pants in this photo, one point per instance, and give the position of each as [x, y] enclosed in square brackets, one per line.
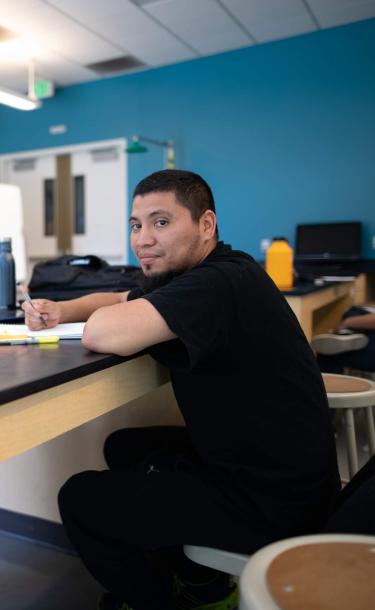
[362, 359]
[355, 510]
[129, 523]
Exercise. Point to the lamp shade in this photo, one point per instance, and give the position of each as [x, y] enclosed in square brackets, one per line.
[136, 147]
[168, 145]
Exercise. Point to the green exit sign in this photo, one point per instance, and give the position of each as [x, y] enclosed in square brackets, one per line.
[43, 88]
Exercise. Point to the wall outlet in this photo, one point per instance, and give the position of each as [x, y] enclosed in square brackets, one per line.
[373, 242]
[265, 244]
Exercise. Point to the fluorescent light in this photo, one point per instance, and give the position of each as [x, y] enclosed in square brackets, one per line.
[16, 100]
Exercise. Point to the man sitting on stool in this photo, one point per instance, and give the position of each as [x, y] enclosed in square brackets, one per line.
[256, 461]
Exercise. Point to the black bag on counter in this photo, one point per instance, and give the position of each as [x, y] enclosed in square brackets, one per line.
[69, 277]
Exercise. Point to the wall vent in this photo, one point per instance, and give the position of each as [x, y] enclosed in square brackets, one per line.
[112, 66]
[104, 154]
[24, 165]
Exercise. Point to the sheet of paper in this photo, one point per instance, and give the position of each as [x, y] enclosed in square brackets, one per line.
[73, 330]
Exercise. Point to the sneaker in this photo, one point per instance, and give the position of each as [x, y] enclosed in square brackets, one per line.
[329, 343]
[189, 596]
[108, 602]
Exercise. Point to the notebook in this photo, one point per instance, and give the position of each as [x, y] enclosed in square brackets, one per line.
[73, 330]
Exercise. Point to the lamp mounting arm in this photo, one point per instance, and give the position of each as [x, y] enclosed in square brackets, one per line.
[164, 143]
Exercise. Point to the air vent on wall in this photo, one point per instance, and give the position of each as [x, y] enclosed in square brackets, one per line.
[104, 154]
[24, 165]
[112, 66]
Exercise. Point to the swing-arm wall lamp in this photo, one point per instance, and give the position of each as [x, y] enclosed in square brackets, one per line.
[136, 147]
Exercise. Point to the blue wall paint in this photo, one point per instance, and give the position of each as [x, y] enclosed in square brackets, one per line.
[284, 132]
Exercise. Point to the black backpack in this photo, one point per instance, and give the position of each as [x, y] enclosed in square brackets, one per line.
[69, 277]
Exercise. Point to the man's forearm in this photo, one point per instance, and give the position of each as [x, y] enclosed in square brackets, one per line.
[79, 310]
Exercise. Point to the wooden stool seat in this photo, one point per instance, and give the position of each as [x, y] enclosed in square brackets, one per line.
[348, 392]
[345, 383]
[330, 576]
[316, 572]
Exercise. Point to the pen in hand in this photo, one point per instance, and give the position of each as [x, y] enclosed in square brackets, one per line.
[28, 299]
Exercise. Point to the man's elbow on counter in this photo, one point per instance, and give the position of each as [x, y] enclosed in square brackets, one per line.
[91, 339]
[99, 340]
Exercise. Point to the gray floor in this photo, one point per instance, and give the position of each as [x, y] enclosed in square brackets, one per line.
[36, 578]
[33, 577]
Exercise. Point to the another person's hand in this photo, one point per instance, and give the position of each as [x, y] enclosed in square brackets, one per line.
[344, 324]
[359, 323]
[49, 311]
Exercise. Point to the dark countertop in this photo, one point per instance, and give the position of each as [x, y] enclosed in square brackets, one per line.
[27, 369]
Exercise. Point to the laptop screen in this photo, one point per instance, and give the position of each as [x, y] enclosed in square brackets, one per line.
[338, 241]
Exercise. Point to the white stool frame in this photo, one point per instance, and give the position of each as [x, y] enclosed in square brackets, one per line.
[348, 401]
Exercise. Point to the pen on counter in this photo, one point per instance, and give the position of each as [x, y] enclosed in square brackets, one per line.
[25, 340]
[28, 299]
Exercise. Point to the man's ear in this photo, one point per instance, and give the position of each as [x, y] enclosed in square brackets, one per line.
[208, 224]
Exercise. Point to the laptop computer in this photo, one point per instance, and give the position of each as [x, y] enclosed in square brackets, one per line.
[12, 316]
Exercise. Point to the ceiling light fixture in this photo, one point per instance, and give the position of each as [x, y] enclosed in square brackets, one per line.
[16, 100]
[136, 147]
[19, 101]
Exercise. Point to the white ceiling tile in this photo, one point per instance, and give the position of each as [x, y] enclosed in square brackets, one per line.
[206, 26]
[143, 37]
[271, 19]
[80, 45]
[65, 73]
[32, 17]
[264, 11]
[338, 12]
[14, 77]
[90, 11]
[267, 31]
[52, 67]
[62, 71]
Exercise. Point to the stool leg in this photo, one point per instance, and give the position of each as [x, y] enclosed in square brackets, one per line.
[351, 442]
[370, 429]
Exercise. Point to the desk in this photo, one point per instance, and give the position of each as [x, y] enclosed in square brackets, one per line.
[319, 308]
[47, 390]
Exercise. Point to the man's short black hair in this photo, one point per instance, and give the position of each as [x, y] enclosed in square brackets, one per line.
[190, 190]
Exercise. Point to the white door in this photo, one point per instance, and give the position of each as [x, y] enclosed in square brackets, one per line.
[34, 176]
[99, 211]
[99, 202]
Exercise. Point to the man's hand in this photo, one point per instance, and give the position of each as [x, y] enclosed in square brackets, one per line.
[49, 310]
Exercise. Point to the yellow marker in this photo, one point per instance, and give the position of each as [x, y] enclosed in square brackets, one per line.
[8, 337]
[24, 340]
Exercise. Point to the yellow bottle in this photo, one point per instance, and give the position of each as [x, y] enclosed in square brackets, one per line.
[279, 263]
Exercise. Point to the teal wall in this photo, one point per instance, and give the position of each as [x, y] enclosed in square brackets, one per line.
[284, 132]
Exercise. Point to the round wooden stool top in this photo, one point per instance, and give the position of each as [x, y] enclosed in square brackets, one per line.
[324, 576]
[337, 384]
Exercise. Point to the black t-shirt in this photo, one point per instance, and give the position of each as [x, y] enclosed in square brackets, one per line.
[248, 386]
